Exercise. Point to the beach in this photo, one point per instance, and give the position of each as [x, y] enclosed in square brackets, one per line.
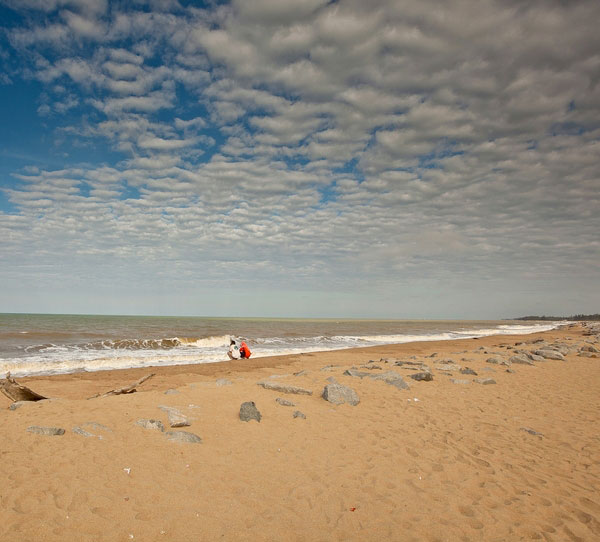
[509, 453]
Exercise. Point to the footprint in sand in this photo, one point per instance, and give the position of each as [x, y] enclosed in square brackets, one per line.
[589, 504]
[466, 511]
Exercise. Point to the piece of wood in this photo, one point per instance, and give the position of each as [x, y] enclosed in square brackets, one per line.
[17, 392]
[125, 389]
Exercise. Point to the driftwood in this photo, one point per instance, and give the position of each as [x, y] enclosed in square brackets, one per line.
[17, 392]
[126, 389]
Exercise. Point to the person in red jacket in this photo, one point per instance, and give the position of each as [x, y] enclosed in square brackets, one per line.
[244, 351]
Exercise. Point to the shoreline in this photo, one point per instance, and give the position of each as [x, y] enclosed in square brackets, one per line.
[228, 367]
[479, 451]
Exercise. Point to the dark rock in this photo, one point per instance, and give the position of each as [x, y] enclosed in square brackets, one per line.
[47, 431]
[284, 388]
[468, 371]
[298, 414]
[151, 424]
[338, 394]
[301, 373]
[183, 436]
[248, 411]
[424, 376]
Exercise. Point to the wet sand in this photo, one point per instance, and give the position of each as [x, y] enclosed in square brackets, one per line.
[515, 460]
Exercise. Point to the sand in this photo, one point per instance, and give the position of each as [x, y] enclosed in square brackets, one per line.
[440, 461]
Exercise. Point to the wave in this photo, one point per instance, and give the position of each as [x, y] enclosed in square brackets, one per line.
[52, 358]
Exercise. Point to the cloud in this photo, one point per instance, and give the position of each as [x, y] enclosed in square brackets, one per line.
[351, 145]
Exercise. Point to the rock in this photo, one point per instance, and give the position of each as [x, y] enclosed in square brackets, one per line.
[298, 414]
[223, 382]
[355, 373]
[151, 424]
[410, 364]
[393, 379]
[581, 355]
[509, 370]
[284, 388]
[338, 394]
[284, 402]
[371, 367]
[183, 436]
[485, 381]
[47, 431]
[171, 392]
[589, 348]
[425, 376]
[535, 357]
[459, 381]
[328, 367]
[520, 359]
[19, 404]
[79, 429]
[176, 418]
[550, 354]
[498, 361]
[248, 411]
[448, 367]
[531, 431]
[301, 373]
[468, 371]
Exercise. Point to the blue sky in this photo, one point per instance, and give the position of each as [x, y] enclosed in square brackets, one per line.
[417, 159]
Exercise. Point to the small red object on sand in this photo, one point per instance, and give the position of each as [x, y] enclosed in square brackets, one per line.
[352, 509]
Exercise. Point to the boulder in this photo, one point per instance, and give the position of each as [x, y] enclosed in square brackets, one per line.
[284, 388]
[338, 394]
[589, 348]
[248, 411]
[298, 414]
[468, 371]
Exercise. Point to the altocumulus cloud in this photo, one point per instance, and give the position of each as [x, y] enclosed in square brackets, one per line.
[315, 158]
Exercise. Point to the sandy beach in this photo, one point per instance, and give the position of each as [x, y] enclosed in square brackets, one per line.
[509, 453]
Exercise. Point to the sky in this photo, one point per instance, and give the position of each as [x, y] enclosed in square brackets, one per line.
[302, 158]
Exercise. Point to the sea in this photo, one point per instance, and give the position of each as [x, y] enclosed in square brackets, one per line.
[47, 344]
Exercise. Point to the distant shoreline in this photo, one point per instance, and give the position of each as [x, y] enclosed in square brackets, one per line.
[576, 318]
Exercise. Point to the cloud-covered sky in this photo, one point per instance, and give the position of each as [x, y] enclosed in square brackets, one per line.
[406, 159]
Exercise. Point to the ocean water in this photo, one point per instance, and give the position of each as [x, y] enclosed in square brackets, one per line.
[39, 344]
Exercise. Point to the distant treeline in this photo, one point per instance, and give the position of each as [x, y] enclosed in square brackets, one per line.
[575, 317]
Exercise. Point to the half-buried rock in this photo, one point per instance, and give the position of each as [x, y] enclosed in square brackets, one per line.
[248, 411]
[338, 394]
